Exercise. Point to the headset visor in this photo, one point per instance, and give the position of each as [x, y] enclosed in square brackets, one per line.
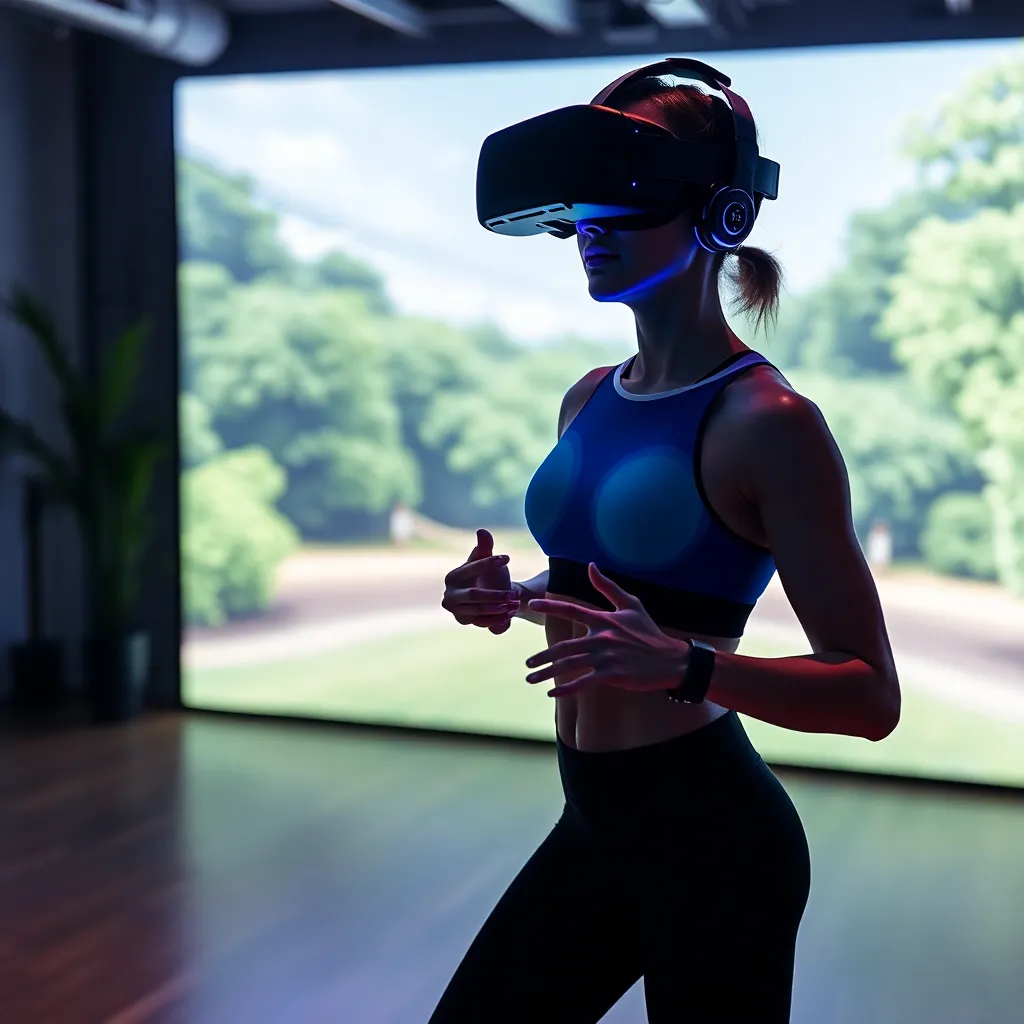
[592, 162]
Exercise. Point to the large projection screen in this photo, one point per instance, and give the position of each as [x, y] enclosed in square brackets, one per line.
[368, 376]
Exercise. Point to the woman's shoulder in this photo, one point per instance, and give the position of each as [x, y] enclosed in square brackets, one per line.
[761, 411]
[579, 394]
[758, 391]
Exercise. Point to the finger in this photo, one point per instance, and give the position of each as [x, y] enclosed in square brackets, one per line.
[567, 610]
[462, 600]
[490, 621]
[609, 588]
[484, 546]
[484, 595]
[500, 629]
[575, 686]
[566, 648]
[457, 603]
[562, 667]
[468, 571]
[486, 614]
[471, 611]
[484, 621]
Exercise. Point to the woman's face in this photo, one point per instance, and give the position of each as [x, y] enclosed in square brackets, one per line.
[621, 264]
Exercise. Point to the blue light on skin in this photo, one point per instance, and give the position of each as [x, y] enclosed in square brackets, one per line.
[648, 257]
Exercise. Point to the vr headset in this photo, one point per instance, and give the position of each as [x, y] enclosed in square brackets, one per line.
[592, 162]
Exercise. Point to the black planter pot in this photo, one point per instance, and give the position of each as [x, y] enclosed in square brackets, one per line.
[37, 676]
[117, 673]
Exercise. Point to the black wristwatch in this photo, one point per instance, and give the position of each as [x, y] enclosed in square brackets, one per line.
[697, 677]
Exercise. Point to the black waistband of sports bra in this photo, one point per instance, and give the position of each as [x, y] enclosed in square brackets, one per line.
[670, 607]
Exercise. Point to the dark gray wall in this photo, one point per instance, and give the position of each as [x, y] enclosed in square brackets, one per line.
[130, 273]
[87, 222]
[40, 236]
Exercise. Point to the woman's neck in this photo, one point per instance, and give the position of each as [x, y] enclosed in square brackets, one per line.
[681, 334]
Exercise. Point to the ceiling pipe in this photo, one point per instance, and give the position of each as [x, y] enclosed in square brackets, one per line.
[193, 32]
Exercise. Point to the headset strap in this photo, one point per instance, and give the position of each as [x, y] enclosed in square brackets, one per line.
[753, 173]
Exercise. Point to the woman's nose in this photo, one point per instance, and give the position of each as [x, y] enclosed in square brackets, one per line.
[590, 228]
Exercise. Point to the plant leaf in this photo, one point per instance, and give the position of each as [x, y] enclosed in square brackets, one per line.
[76, 401]
[124, 523]
[33, 316]
[120, 374]
[16, 435]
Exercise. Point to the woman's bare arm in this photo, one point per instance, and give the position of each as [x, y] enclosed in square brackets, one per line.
[794, 476]
[531, 590]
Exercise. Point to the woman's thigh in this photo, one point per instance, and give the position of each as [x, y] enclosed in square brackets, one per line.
[721, 945]
[709, 974]
[559, 946]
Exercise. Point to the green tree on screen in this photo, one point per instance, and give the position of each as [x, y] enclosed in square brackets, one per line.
[204, 298]
[969, 157]
[974, 147]
[301, 374]
[338, 270]
[835, 327]
[199, 441]
[233, 537]
[901, 450]
[221, 223]
[956, 320]
[957, 323]
[957, 537]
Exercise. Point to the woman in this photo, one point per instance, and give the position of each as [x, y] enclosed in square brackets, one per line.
[678, 857]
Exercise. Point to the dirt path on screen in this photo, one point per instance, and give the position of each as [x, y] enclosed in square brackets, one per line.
[973, 628]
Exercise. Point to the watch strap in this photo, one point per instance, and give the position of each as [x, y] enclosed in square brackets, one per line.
[697, 677]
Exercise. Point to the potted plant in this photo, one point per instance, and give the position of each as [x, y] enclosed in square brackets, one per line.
[105, 481]
[37, 664]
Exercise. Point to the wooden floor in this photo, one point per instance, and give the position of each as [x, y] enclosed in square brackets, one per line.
[210, 870]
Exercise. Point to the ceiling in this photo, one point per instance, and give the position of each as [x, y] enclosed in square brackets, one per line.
[269, 35]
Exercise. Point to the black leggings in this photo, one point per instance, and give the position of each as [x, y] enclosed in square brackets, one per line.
[683, 862]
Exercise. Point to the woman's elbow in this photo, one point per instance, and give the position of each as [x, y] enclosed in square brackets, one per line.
[885, 710]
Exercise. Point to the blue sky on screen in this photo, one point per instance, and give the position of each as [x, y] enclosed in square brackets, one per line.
[382, 164]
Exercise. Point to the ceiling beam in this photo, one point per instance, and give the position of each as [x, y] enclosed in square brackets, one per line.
[317, 40]
[398, 15]
[559, 17]
[679, 13]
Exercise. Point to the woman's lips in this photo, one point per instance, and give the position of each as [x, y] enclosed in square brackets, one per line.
[598, 259]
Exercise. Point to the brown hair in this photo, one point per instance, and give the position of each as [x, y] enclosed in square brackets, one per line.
[692, 114]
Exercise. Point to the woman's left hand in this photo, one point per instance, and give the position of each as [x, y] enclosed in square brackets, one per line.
[623, 648]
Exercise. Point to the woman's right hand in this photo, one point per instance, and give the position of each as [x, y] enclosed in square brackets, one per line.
[479, 592]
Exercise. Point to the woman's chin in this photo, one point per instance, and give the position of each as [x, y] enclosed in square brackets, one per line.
[604, 284]
[609, 291]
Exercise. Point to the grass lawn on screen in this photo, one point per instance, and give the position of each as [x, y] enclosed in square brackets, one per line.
[471, 681]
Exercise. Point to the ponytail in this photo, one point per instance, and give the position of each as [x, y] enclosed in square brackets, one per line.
[756, 277]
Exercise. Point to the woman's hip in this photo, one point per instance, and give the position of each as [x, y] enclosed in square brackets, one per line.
[708, 789]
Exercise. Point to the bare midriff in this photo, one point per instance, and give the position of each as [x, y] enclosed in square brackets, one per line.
[605, 717]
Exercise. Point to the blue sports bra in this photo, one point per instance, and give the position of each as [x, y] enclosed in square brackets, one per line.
[622, 488]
